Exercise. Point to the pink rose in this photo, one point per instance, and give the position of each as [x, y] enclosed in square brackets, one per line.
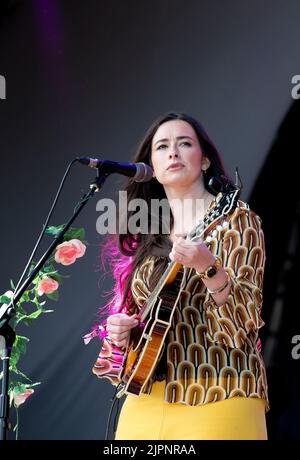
[69, 251]
[47, 286]
[21, 398]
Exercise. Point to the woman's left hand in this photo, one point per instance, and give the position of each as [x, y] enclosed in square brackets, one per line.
[193, 254]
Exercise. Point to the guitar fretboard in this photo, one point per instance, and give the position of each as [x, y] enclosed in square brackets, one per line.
[218, 212]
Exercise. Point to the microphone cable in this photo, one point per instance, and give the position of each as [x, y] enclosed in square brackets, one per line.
[114, 399]
[44, 226]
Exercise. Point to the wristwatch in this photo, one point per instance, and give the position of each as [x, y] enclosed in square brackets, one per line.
[211, 270]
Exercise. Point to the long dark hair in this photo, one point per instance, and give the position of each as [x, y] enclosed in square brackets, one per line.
[127, 251]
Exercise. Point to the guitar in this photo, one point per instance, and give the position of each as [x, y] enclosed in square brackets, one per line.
[147, 339]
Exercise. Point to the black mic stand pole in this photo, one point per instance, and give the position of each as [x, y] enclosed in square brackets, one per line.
[7, 312]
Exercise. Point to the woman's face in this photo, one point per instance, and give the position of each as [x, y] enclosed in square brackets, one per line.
[176, 154]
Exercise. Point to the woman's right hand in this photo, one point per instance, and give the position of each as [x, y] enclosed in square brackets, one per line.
[118, 327]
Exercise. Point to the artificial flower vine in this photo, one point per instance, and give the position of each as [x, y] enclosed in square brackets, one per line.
[45, 284]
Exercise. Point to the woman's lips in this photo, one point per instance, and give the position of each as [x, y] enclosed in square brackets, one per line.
[175, 166]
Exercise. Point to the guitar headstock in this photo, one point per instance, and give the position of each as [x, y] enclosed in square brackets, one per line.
[216, 220]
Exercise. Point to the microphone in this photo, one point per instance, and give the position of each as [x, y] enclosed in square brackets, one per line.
[140, 172]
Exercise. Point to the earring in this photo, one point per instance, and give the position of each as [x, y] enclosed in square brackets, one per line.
[204, 171]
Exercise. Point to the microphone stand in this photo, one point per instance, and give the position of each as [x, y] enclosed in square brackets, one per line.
[7, 312]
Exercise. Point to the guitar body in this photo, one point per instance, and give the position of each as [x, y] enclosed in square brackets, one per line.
[147, 340]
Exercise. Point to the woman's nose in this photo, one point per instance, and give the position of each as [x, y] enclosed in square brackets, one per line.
[173, 154]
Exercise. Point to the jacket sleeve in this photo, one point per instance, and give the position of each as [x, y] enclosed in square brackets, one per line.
[242, 251]
[111, 359]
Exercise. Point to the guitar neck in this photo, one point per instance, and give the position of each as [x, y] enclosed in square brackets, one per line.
[224, 207]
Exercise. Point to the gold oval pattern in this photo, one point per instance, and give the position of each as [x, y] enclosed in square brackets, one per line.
[176, 353]
[247, 382]
[215, 394]
[195, 395]
[238, 360]
[201, 335]
[193, 285]
[223, 338]
[237, 392]
[231, 241]
[238, 258]
[212, 323]
[228, 379]
[254, 366]
[246, 272]
[191, 316]
[228, 326]
[174, 392]
[256, 258]
[186, 373]
[184, 335]
[196, 354]
[250, 238]
[185, 299]
[207, 376]
[217, 358]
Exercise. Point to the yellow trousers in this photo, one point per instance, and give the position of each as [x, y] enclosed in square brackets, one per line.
[150, 417]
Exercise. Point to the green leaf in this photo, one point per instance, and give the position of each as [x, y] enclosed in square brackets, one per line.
[21, 343]
[33, 315]
[49, 269]
[20, 388]
[19, 347]
[20, 311]
[75, 233]
[53, 296]
[5, 299]
[11, 397]
[32, 266]
[25, 297]
[57, 277]
[36, 301]
[54, 231]
[14, 358]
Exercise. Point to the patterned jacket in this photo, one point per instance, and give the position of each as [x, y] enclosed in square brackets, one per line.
[211, 353]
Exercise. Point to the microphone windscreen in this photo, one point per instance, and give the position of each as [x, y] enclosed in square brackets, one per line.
[144, 172]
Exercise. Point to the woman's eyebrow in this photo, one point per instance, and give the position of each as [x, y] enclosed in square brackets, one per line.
[178, 137]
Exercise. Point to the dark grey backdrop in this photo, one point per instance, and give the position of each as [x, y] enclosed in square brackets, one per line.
[87, 78]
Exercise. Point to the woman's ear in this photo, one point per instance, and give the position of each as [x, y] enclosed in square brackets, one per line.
[205, 163]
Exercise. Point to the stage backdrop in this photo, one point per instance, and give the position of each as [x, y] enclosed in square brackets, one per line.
[87, 78]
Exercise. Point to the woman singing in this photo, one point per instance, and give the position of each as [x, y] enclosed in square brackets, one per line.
[209, 382]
